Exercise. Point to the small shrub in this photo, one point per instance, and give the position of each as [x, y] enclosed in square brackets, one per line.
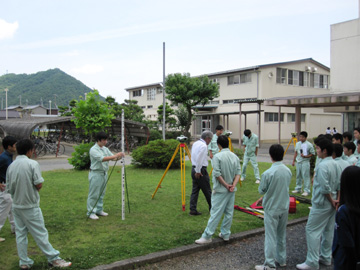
[239, 152]
[156, 154]
[80, 157]
[155, 135]
[173, 134]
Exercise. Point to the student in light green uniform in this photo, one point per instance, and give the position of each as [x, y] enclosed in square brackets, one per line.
[251, 144]
[337, 153]
[226, 175]
[349, 150]
[24, 181]
[320, 225]
[356, 139]
[213, 146]
[304, 150]
[100, 156]
[274, 186]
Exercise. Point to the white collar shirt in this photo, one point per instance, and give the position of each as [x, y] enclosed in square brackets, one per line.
[199, 153]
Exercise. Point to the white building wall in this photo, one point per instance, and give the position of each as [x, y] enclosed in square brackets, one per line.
[345, 56]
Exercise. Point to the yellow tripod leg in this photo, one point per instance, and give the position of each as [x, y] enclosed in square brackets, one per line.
[288, 145]
[188, 152]
[168, 167]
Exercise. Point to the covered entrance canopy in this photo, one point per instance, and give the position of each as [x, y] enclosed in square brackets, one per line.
[312, 101]
[23, 128]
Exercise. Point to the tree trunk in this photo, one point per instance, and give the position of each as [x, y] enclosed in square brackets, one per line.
[188, 125]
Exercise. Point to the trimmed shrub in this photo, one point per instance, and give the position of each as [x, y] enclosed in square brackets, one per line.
[156, 154]
[240, 153]
[173, 134]
[155, 135]
[80, 157]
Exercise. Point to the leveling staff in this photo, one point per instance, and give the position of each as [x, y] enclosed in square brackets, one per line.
[100, 156]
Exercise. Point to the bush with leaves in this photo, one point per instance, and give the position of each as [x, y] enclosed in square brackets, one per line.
[240, 153]
[80, 157]
[156, 154]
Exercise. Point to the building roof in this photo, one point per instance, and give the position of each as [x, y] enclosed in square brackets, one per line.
[231, 71]
[30, 107]
[24, 127]
[14, 107]
[311, 101]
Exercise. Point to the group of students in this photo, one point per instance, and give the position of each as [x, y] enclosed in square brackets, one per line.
[335, 174]
[20, 183]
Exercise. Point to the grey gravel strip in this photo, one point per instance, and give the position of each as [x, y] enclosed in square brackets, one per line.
[155, 257]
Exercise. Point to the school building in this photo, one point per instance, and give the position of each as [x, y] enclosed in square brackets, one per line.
[243, 91]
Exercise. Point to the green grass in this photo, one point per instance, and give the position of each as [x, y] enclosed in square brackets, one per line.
[153, 224]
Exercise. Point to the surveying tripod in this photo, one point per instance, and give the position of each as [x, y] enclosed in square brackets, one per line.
[182, 147]
[293, 139]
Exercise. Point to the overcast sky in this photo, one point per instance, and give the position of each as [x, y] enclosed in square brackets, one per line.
[111, 45]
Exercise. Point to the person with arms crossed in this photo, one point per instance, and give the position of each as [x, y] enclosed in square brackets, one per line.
[199, 174]
[226, 175]
[6, 158]
[23, 182]
[100, 156]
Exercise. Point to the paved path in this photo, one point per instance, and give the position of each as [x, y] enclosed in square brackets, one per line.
[243, 255]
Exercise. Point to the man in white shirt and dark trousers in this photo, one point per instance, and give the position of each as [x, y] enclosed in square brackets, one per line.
[199, 174]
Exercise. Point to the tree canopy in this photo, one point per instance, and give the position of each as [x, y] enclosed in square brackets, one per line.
[190, 92]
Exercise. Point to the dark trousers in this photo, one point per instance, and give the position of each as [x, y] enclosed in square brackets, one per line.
[202, 183]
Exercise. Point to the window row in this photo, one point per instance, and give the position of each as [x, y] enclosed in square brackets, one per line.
[151, 92]
[274, 117]
[239, 79]
[302, 78]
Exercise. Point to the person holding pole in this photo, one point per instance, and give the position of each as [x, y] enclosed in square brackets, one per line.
[100, 156]
[226, 175]
[251, 144]
[213, 145]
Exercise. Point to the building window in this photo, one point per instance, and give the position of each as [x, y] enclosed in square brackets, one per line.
[151, 94]
[138, 93]
[238, 79]
[281, 75]
[143, 107]
[150, 106]
[159, 90]
[274, 117]
[291, 117]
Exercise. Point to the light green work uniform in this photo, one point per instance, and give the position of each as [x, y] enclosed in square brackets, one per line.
[344, 157]
[213, 146]
[226, 164]
[356, 153]
[321, 220]
[97, 178]
[352, 159]
[275, 187]
[342, 163]
[22, 177]
[249, 155]
[303, 165]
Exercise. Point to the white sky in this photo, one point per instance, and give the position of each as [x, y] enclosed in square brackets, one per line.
[111, 45]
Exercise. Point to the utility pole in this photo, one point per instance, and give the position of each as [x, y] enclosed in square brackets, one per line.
[6, 104]
[164, 102]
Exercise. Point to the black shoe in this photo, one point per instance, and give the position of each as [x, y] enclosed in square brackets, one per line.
[194, 213]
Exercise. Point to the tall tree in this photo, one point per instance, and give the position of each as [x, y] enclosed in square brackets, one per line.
[132, 111]
[91, 114]
[168, 115]
[190, 92]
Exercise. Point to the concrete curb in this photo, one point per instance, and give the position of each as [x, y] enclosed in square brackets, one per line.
[132, 263]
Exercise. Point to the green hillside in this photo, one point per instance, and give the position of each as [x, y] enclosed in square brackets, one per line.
[42, 85]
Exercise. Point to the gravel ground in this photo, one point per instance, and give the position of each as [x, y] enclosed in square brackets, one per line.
[242, 255]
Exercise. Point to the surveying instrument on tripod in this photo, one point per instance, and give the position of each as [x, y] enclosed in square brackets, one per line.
[293, 139]
[183, 149]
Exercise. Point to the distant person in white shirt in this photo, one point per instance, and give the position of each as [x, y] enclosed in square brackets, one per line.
[334, 131]
[328, 131]
[199, 174]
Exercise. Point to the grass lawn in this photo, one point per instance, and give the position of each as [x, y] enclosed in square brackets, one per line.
[153, 224]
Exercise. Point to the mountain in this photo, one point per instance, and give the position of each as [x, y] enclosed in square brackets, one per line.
[53, 84]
